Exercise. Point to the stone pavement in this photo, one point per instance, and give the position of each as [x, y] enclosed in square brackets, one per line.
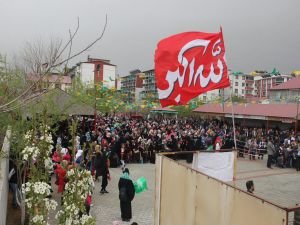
[106, 206]
[277, 185]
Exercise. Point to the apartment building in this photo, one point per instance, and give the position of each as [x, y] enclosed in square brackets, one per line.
[95, 71]
[286, 92]
[263, 84]
[255, 86]
[132, 86]
[242, 85]
[149, 83]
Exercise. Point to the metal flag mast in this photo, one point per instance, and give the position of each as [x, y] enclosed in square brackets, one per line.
[232, 116]
[234, 138]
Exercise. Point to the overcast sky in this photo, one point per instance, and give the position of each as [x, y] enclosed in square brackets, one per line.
[259, 34]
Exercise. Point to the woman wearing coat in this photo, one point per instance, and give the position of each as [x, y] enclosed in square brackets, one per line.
[101, 167]
[126, 195]
[61, 171]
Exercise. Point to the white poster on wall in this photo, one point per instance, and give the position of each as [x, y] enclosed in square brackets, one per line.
[219, 165]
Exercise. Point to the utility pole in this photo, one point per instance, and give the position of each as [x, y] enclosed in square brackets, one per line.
[223, 99]
[297, 117]
[95, 112]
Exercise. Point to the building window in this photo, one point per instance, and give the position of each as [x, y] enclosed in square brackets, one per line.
[235, 91]
[243, 84]
[98, 67]
[236, 83]
[242, 91]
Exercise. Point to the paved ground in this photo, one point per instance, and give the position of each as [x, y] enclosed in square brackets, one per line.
[106, 207]
[280, 186]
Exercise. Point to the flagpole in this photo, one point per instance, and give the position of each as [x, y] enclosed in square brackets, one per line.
[223, 100]
[234, 139]
[233, 123]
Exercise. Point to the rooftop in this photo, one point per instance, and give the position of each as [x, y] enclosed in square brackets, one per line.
[291, 84]
[51, 78]
[96, 60]
[166, 109]
[266, 110]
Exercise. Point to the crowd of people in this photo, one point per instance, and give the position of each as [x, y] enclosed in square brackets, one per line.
[281, 146]
[127, 140]
[137, 140]
[115, 141]
[118, 141]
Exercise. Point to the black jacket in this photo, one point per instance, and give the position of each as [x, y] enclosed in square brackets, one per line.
[100, 164]
[14, 177]
[128, 185]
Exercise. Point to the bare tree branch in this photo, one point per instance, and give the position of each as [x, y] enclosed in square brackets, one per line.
[18, 97]
[87, 47]
[69, 42]
[35, 58]
[24, 102]
[70, 49]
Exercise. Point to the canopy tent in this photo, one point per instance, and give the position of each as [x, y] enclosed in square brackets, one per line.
[255, 111]
[163, 112]
[283, 113]
[57, 101]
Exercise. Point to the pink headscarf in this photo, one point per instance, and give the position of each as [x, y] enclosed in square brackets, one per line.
[117, 223]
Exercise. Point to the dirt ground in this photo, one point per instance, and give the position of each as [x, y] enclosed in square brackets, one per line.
[13, 215]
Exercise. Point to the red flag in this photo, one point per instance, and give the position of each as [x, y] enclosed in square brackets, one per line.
[189, 64]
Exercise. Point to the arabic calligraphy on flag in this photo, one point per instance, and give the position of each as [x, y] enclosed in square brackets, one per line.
[189, 64]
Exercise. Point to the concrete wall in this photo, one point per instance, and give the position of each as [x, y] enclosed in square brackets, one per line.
[86, 71]
[4, 162]
[185, 196]
[109, 76]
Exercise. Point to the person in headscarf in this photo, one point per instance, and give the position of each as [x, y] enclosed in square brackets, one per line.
[61, 171]
[126, 195]
[78, 157]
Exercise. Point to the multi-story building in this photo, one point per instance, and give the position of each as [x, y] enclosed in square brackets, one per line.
[242, 85]
[118, 82]
[286, 92]
[255, 86]
[248, 86]
[132, 86]
[263, 84]
[95, 71]
[210, 95]
[149, 83]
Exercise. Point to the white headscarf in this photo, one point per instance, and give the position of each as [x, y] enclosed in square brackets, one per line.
[78, 154]
[64, 151]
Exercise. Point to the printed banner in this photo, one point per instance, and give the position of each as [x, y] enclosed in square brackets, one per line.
[189, 64]
[219, 165]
